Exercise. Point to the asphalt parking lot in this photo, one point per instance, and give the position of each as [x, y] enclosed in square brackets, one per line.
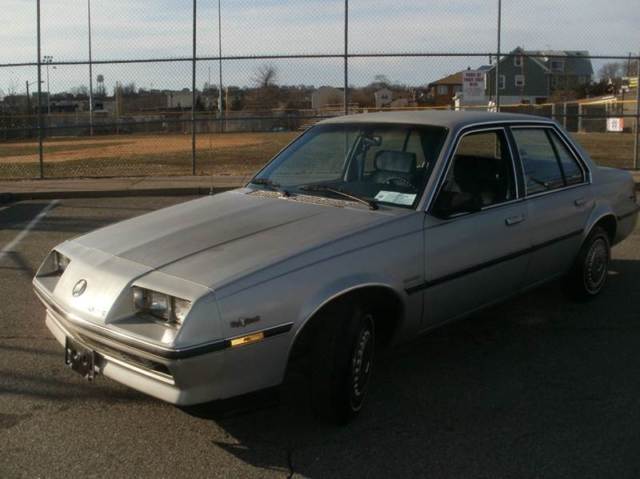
[537, 387]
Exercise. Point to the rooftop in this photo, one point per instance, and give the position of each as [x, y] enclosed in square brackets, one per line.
[448, 119]
[453, 79]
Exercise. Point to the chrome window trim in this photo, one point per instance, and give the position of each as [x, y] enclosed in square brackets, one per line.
[451, 154]
[586, 171]
[428, 194]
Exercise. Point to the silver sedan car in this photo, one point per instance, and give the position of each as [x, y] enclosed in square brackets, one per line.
[365, 231]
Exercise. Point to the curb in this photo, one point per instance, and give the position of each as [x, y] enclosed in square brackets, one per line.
[51, 195]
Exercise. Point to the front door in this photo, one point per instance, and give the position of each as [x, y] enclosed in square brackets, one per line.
[475, 235]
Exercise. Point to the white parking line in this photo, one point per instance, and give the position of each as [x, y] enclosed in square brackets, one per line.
[11, 245]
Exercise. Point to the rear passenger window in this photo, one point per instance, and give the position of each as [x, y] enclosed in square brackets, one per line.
[543, 160]
[572, 172]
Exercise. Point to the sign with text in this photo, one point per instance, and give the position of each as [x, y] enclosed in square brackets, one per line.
[615, 124]
[473, 86]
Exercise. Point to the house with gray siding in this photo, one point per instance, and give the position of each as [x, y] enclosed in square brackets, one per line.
[532, 76]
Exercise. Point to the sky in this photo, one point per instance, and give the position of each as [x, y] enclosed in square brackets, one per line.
[135, 29]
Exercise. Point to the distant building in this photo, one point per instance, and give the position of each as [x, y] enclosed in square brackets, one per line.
[533, 76]
[441, 92]
[179, 100]
[327, 96]
[383, 97]
[568, 69]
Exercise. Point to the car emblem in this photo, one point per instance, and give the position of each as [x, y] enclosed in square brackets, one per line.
[79, 288]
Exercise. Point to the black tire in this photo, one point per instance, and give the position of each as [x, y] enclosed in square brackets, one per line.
[342, 362]
[588, 275]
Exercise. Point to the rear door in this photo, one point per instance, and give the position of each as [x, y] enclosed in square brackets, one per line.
[475, 236]
[558, 194]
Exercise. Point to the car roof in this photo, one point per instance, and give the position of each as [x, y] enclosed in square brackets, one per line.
[452, 120]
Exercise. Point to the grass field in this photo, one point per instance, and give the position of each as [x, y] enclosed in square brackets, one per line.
[230, 153]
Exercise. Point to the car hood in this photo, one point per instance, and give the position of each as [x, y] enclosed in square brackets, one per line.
[219, 238]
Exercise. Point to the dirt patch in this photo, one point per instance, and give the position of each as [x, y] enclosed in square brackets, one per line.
[123, 146]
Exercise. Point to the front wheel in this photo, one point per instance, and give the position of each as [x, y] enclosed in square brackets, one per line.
[591, 268]
[342, 363]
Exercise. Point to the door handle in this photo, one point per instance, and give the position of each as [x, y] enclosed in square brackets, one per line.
[514, 220]
[580, 202]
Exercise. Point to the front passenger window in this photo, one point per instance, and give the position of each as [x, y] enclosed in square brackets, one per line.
[480, 175]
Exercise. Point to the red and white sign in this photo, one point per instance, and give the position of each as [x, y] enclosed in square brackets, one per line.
[615, 124]
[473, 85]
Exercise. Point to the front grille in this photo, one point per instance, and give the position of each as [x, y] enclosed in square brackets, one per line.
[135, 360]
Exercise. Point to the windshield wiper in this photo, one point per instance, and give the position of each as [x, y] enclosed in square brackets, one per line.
[272, 185]
[372, 204]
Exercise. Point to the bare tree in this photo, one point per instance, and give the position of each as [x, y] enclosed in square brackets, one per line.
[610, 70]
[265, 76]
[129, 89]
[80, 91]
[266, 93]
[381, 81]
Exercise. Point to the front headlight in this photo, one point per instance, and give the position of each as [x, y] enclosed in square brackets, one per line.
[159, 305]
[60, 263]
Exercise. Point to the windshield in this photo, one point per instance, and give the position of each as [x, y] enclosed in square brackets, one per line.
[377, 162]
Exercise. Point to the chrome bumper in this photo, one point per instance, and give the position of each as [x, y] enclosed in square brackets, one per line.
[179, 376]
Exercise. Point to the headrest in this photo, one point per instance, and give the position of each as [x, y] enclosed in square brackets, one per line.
[395, 161]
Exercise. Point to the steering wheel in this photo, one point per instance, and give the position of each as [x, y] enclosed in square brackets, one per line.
[393, 179]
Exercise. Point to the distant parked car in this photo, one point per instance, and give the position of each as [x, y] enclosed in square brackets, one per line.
[365, 231]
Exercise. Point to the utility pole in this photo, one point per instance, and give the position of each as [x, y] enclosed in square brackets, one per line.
[28, 101]
[220, 109]
[346, 57]
[90, 72]
[497, 85]
[636, 152]
[40, 148]
[193, 95]
[47, 61]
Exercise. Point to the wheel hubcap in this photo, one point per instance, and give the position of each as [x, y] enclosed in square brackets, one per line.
[596, 263]
[361, 363]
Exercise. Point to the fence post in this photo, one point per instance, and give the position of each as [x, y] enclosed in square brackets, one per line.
[636, 153]
[498, 55]
[220, 109]
[346, 57]
[90, 71]
[193, 95]
[40, 149]
[580, 117]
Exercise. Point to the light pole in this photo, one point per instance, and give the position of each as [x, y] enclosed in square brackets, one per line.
[497, 85]
[47, 61]
[220, 62]
[90, 71]
[28, 84]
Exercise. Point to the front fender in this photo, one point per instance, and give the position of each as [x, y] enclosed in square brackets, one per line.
[340, 287]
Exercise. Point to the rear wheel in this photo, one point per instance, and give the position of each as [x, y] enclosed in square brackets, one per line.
[343, 355]
[588, 275]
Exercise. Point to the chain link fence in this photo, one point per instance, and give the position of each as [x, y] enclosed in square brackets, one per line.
[92, 89]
